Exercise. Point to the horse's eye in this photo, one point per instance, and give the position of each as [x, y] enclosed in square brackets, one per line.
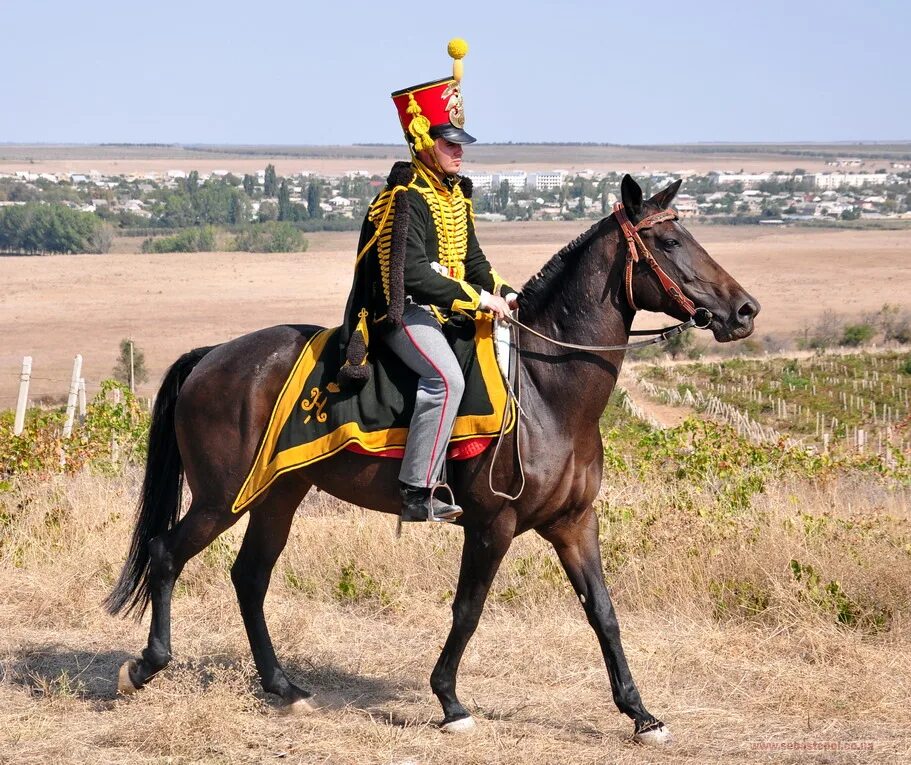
[669, 244]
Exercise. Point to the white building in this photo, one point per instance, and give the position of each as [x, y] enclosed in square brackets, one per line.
[747, 179]
[479, 181]
[686, 205]
[837, 180]
[545, 181]
[517, 179]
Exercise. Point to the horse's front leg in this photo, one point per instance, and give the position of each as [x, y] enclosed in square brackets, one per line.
[482, 553]
[576, 543]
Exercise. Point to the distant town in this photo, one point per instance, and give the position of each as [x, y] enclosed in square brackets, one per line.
[161, 202]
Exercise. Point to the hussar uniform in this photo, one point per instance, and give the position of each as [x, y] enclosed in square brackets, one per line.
[419, 265]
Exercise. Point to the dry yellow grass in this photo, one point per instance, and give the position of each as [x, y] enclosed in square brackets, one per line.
[732, 685]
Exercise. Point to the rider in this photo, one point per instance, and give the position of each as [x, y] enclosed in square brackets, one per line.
[420, 263]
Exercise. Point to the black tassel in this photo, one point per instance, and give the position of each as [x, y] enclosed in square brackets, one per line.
[351, 378]
[355, 372]
[467, 187]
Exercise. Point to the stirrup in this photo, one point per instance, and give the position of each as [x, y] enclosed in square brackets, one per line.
[421, 504]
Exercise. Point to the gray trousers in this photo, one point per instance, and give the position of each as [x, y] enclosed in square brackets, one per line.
[420, 344]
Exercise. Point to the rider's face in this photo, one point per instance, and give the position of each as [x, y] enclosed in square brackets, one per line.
[448, 156]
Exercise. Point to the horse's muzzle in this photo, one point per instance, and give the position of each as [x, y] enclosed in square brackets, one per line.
[739, 323]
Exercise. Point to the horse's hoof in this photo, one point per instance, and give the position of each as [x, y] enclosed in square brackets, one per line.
[300, 707]
[124, 683]
[462, 725]
[658, 736]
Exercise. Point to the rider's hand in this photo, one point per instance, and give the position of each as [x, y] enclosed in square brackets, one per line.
[512, 300]
[496, 305]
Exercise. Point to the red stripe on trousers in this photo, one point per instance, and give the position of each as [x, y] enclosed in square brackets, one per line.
[436, 369]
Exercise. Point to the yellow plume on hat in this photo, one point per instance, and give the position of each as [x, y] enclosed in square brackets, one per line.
[458, 49]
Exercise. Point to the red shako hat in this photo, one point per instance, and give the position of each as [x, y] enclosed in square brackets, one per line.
[434, 109]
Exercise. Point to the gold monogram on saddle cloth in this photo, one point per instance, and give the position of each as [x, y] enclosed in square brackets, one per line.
[313, 419]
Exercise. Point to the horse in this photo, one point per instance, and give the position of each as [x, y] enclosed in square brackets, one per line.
[214, 404]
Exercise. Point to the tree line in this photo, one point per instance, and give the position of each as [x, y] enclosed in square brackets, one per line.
[35, 228]
[227, 201]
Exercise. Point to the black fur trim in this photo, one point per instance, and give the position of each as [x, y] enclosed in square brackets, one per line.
[402, 174]
[467, 187]
[397, 257]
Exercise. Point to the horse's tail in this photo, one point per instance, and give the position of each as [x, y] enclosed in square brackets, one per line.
[162, 488]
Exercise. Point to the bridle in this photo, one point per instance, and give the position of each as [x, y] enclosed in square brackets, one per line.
[635, 248]
[699, 317]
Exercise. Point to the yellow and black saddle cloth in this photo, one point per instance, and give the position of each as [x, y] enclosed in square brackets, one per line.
[314, 418]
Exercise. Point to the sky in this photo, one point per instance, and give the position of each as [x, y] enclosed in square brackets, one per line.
[281, 72]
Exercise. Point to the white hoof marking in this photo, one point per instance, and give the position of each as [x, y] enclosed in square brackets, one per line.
[463, 725]
[300, 707]
[660, 736]
[124, 684]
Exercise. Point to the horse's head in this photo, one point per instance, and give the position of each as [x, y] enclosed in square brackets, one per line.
[700, 278]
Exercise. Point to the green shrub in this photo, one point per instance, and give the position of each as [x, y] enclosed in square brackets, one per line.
[857, 334]
[191, 240]
[355, 585]
[109, 425]
[270, 237]
[122, 369]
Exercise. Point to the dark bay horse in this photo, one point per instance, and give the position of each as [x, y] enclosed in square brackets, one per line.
[215, 402]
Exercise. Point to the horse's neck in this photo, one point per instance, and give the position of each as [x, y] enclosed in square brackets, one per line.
[588, 308]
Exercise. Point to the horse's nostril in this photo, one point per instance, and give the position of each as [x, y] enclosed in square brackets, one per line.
[748, 310]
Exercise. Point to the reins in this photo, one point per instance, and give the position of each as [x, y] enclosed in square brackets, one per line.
[636, 249]
[699, 318]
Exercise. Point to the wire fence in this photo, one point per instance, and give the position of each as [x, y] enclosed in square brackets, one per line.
[16, 391]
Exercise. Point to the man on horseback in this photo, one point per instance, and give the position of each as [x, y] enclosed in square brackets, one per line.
[419, 265]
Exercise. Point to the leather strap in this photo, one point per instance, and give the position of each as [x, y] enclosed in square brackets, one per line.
[636, 248]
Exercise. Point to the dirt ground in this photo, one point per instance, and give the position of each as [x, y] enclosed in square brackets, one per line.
[793, 688]
[55, 307]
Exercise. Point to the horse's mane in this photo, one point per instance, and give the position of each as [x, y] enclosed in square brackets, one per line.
[539, 288]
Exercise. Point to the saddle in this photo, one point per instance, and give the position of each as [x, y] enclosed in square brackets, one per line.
[315, 418]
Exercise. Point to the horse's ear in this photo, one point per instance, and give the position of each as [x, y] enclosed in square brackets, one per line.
[663, 199]
[631, 195]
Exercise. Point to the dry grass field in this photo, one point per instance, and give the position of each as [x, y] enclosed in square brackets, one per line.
[359, 618]
[54, 307]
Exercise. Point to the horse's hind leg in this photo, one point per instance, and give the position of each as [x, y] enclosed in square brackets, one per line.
[263, 542]
[168, 555]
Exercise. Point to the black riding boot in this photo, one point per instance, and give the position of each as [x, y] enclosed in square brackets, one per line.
[419, 505]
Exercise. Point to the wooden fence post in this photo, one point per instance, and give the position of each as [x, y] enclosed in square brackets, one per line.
[22, 402]
[71, 400]
[81, 400]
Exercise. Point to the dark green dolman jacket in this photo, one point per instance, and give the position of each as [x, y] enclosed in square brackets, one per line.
[417, 242]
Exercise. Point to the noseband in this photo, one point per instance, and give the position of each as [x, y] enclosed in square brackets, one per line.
[636, 248]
